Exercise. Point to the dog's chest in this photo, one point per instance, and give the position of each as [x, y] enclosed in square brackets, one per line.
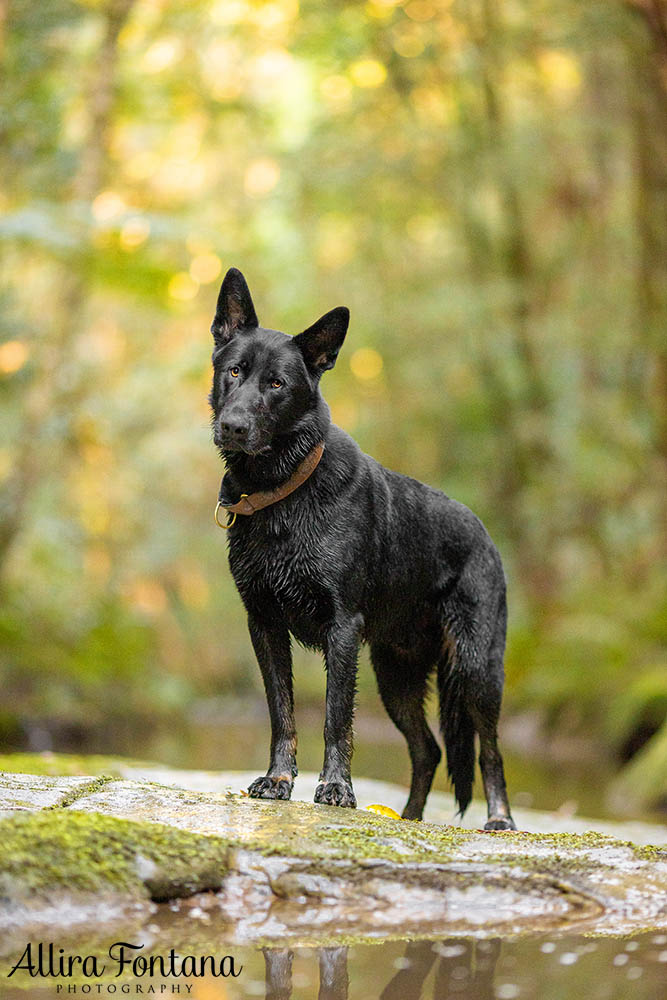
[288, 568]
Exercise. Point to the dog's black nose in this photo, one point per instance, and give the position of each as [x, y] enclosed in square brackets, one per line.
[235, 429]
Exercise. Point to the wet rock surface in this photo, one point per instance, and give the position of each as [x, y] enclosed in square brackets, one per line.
[29, 792]
[278, 871]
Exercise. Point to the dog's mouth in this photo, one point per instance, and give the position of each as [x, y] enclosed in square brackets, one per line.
[251, 448]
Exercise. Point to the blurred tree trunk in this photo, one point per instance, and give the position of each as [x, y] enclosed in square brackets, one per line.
[517, 258]
[519, 417]
[649, 58]
[49, 394]
[94, 162]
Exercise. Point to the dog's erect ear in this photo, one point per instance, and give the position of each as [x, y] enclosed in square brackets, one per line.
[322, 341]
[234, 310]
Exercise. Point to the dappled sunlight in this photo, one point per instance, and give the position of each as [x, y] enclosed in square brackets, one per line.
[13, 356]
[368, 73]
[134, 232]
[366, 363]
[336, 90]
[560, 71]
[183, 286]
[205, 268]
[479, 185]
[261, 177]
[107, 206]
[162, 54]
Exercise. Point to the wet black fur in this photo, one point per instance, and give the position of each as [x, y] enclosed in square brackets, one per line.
[357, 554]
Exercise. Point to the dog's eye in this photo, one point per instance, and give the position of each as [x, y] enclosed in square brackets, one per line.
[276, 384]
[235, 371]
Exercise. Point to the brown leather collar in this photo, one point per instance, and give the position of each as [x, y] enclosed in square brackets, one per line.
[257, 501]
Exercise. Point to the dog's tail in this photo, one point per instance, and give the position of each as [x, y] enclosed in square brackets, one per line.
[457, 729]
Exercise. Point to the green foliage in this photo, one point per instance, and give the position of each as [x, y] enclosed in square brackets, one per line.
[464, 176]
[645, 778]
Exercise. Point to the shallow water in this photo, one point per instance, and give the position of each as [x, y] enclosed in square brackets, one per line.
[542, 968]
[477, 970]
[228, 735]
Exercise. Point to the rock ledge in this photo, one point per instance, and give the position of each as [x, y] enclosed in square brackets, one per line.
[263, 872]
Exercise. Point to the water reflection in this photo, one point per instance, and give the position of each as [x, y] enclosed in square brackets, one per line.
[463, 968]
[416, 965]
[467, 967]
[539, 968]
[334, 979]
[278, 962]
[543, 967]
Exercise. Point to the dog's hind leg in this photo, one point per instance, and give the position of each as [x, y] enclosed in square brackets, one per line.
[484, 706]
[272, 647]
[493, 776]
[402, 684]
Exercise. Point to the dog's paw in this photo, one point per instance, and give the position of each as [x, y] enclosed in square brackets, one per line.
[500, 823]
[268, 787]
[335, 793]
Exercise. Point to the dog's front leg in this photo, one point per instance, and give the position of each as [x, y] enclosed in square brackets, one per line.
[271, 643]
[341, 654]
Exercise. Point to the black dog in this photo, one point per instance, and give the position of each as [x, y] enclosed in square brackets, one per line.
[335, 549]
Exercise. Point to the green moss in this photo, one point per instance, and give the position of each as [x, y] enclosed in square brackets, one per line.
[389, 839]
[555, 865]
[563, 841]
[59, 849]
[63, 764]
[301, 830]
[647, 852]
[92, 786]
[593, 841]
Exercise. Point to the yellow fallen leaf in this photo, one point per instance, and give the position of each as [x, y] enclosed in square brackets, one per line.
[384, 811]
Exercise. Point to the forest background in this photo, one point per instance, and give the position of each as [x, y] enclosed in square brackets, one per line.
[484, 184]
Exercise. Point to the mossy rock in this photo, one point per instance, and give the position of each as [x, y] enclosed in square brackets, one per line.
[288, 829]
[89, 853]
[360, 873]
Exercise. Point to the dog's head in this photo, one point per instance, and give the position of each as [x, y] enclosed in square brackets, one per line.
[265, 382]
